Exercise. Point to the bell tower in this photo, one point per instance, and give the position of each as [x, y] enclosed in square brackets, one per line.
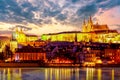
[84, 27]
[90, 24]
[90, 20]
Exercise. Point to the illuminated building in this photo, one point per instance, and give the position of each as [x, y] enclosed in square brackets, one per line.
[117, 56]
[3, 42]
[31, 38]
[36, 43]
[60, 60]
[63, 36]
[116, 39]
[21, 37]
[18, 37]
[90, 32]
[32, 52]
[112, 53]
[13, 45]
[109, 54]
[90, 56]
[29, 54]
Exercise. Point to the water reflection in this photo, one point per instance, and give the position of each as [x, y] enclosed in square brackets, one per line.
[60, 74]
[99, 74]
[89, 73]
[78, 74]
[112, 74]
[10, 74]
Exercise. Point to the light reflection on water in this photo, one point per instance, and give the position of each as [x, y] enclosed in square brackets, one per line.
[59, 73]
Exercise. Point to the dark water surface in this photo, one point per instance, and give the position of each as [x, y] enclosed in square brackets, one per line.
[59, 73]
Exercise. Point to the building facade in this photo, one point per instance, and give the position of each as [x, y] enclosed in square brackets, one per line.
[29, 53]
[21, 37]
[3, 42]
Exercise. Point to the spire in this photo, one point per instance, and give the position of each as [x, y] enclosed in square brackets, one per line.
[84, 26]
[90, 20]
[84, 21]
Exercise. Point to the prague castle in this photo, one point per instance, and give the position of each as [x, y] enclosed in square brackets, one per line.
[90, 32]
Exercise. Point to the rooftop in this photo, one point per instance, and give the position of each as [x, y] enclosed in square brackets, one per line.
[31, 35]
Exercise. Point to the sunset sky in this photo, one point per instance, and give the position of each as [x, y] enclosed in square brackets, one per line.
[51, 16]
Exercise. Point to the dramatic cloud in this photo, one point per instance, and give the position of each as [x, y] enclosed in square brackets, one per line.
[110, 17]
[34, 15]
[21, 27]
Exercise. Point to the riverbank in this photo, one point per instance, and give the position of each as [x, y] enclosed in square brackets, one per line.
[19, 65]
[11, 64]
[53, 65]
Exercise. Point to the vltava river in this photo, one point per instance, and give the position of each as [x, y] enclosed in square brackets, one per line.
[59, 73]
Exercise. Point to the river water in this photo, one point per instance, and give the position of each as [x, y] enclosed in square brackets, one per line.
[60, 73]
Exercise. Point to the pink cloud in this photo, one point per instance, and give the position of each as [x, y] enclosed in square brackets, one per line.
[110, 17]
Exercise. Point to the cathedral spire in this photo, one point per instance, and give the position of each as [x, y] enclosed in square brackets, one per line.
[84, 26]
[90, 20]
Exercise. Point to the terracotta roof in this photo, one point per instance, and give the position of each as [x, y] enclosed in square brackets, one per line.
[29, 49]
[99, 27]
[105, 31]
[4, 38]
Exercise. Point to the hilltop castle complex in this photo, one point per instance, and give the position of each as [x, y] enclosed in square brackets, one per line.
[90, 32]
[65, 47]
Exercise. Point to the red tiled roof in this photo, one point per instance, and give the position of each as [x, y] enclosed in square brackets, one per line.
[99, 27]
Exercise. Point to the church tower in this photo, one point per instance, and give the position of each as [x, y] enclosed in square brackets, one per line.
[90, 20]
[90, 24]
[84, 27]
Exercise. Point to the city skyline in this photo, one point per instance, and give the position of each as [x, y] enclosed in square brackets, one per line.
[51, 16]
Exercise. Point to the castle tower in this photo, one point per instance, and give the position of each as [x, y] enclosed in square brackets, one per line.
[84, 27]
[90, 20]
[90, 24]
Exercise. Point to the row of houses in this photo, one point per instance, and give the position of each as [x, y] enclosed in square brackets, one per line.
[86, 52]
